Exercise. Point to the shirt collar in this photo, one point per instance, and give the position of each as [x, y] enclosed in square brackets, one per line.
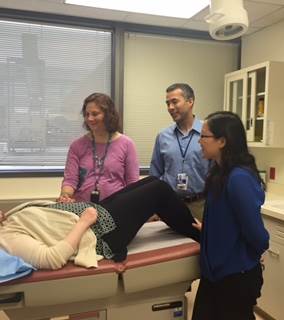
[197, 126]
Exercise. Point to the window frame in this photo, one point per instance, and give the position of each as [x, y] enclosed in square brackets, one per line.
[53, 20]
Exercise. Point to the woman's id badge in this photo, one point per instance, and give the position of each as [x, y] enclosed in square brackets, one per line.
[95, 196]
[182, 181]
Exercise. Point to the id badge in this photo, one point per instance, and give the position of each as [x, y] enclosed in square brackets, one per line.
[95, 196]
[182, 181]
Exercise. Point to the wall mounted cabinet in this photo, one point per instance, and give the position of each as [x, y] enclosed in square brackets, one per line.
[256, 94]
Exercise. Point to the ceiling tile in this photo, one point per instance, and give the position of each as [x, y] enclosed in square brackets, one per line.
[279, 2]
[261, 13]
[202, 14]
[196, 25]
[251, 30]
[154, 20]
[257, 10]
[270, 19]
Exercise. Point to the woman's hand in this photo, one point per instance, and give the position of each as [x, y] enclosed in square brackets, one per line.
[197, 225]
[65, 198]
[66, 195]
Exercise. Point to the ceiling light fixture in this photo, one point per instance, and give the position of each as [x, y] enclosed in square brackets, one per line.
[178, 9]
[227, 19]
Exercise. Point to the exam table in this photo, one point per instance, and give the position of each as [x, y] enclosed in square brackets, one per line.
[150, 284]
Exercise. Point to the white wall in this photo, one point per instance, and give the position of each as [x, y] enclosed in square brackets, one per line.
[267, 44]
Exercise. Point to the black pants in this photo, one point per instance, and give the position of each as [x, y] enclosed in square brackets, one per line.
[231, 298]
[132, 206]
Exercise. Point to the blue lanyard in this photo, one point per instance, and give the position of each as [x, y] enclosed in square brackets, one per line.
[183, 154]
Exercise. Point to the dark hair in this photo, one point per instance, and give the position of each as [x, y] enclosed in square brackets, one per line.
[111, 117]
[187, 91]
[228, 125]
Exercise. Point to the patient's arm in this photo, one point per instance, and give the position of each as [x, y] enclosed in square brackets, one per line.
[88, 217]
[2, 217]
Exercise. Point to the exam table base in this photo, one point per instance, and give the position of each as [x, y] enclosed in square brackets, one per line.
[169, 302]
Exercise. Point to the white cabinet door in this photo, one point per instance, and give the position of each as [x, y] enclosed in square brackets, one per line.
[244, 93]
[256, 94]
[236, 95]
[271, 300]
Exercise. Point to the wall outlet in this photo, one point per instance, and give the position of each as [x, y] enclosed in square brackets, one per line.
[262, 174]
[272, 173]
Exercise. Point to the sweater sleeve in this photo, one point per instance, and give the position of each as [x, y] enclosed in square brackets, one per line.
[246, 197]
[131, 164]
[38, 254]
[71, 171]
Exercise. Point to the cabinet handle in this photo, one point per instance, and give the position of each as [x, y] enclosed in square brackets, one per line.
[251, 122]
[11, 298]
[274, 253]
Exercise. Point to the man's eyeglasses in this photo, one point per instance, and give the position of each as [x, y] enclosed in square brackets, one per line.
[202, 136]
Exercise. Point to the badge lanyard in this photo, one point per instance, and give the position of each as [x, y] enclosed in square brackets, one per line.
[183, 153]
[99, 162]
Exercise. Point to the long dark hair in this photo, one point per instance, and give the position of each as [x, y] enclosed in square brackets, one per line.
[228, 125]
[111, 117]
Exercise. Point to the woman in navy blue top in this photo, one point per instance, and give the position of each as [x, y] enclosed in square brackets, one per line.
[233, 236]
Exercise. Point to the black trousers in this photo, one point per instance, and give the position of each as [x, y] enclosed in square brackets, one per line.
[231, 298]
[132, 206]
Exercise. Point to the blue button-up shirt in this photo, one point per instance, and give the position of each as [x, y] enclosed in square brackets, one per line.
[167, 160]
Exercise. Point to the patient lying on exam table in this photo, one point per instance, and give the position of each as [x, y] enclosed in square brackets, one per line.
[48, 234]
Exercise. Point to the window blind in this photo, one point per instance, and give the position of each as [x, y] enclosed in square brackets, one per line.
[46, 71]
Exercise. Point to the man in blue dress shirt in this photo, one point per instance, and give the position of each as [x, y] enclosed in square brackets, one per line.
[177, 156]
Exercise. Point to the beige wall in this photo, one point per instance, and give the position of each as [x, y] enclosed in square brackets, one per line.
[265, 45]
[15, 190]
[152, 63]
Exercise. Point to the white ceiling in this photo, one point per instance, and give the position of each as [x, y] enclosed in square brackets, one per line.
[262, 13]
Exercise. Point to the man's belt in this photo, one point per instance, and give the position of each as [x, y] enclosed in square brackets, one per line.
[193, 197]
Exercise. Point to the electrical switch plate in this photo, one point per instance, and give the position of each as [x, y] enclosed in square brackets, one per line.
[272, 173]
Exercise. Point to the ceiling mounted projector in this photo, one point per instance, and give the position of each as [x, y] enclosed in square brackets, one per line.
[227, 19]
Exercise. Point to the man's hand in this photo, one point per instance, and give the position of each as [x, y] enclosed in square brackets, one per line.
[197, 225]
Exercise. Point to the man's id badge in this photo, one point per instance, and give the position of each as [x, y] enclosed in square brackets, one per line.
[182, 181]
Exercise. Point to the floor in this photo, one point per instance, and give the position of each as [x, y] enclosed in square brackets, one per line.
[190, 300]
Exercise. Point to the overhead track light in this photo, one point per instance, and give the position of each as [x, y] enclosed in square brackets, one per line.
[227, 19]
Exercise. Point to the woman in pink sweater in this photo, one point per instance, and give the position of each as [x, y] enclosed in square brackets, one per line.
[101, 162]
